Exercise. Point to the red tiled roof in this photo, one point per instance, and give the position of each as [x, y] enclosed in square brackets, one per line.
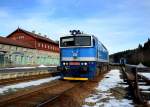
[36, 36]
[8, 41]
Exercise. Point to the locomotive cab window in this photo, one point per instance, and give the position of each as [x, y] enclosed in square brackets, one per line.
[75, 41]
[67, 41]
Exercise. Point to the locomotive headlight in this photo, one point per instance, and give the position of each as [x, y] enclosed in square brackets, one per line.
[67, 63]
[85, 63]
[64, 63]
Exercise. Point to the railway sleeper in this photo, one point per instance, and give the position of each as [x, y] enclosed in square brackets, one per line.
[145, 89]
[143, 78]
[143, 84]
[127, 75]
[145, 95]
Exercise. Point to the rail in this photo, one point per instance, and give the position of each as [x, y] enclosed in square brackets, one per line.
[48, 101]
[41, 95]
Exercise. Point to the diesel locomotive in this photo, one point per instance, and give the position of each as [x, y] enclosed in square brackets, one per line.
[82, 56]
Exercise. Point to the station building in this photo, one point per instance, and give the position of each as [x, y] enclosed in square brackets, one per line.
[24, 48]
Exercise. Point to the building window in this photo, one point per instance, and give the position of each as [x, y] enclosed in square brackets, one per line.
[45, 45]
[19, 37]
[51, 47]
[48, 46]
[39, 44]
[42, 45]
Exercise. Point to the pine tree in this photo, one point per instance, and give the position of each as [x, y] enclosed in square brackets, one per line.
[147, 45]
[140, 47]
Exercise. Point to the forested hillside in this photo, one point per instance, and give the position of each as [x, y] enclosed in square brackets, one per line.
[135, 56]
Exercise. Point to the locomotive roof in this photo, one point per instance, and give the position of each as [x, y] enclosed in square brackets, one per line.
[84, 34]
[77, 35]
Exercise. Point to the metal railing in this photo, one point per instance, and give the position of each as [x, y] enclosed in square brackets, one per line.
[136, 81]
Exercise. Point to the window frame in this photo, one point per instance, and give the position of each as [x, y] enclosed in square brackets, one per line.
[75, 46]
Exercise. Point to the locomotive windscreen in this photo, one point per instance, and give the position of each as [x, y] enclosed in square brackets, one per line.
[75, 41]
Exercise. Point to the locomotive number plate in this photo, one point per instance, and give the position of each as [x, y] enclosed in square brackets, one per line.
[74, 63]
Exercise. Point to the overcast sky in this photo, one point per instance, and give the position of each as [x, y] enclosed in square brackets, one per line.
[119, 24]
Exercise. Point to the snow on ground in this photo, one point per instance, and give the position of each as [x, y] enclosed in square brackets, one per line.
[46, 66]
[103, 97]
[40, 66]
[20, 68]
[140, 65]
[144, 87]
[146, 74]
[15, 87]
[112, 103]
[110, 82]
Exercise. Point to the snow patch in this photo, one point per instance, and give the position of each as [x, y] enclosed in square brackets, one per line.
[102, 97]
[116, 103]
[27, 67]
[144, 87]
[26, 84]
[140, 65]
[46, 66]
[97, 97]
[42, 66]
[20, 68]
[145, 74]
[110, 80]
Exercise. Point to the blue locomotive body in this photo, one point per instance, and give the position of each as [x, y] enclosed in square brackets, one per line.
[81, 57]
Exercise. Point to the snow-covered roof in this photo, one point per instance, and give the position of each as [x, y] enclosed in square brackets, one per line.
[140, 65]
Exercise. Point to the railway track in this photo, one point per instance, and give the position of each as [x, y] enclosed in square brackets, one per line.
[39, 96]
[51, 100]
